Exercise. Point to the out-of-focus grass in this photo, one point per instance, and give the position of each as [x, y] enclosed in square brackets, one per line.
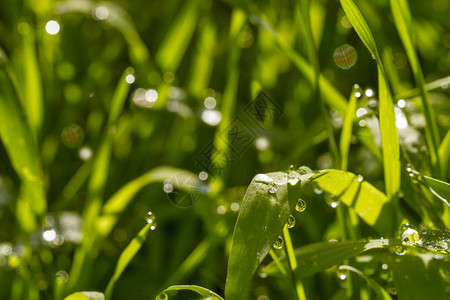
[201, 65]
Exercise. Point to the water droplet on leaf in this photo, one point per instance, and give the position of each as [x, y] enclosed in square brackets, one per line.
[273, 187]
[279, 243]
[341, 274]
[163, 296]
[290, 223]
[150, 218]
[360, 178]
[301, 205]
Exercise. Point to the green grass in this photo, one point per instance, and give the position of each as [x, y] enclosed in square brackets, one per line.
[145, 82]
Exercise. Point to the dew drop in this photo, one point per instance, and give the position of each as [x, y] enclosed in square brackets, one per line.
[300, 206]
[341, 274]
[360, 178]
[150, 218]
[163, 296]
[273, 187]
[409, 234]
[290, 223]
[400, 250]
[318, 191]
[291, 167]
[279, 243]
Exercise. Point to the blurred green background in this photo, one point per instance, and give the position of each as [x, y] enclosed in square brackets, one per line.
[193, 68]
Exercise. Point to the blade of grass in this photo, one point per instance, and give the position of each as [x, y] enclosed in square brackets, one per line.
[382, 294]
[177, 39]
[317, 257]
[403, 22]
[203, 292]
[97, 183]
[17, 138]
[368, 203]
[125, 258]
[431, 86]
[444, 153]
[33, 96]
[85, 296]
[389, 135]
[261, 219]
[346, 134]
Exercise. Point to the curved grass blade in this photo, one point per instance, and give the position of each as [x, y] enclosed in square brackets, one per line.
[367, 202]
[444, 153]
[382, 294]
[403, 22]
[203, 292]
[389, 135]
[267, 204]
[17, 138]
[85, 296]
[118, 202]
[317, 257]
[125, 258]
[346, 134]
[439, 188]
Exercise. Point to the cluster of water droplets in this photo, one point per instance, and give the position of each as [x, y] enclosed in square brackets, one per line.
[151, 219]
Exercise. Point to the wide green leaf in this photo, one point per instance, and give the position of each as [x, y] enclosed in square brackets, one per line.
[317, 257]
[126, 256]
[367, 202]
[203, 292]
[267, 204]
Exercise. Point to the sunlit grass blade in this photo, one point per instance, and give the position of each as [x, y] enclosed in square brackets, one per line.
[317, 257]
[116, 205]
[389, 138]
[267, 204]
[389, 135]
[97, 182]
[346, 134]
[203, 292]
[18, 141]
[177, 39]
[33, 95]
[204, 58]
[439, 188]
[444, 153]
[365, 200]
[85, 296]
[125, 258]
[403, 22]
[442, 83]
[381, 293]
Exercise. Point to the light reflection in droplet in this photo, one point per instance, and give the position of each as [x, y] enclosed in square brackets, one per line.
[361, 112]
[101, 13]
[49, 235]
[52, 27]
[130, 78]
[211, 117]
[345, 56]
[85, 153]
[234, 206]
[262, 143]
[221, 209]
[203, 175]
[369, 93]
[210, 103]
[401, 103]
[62, 276]
[400, 119]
